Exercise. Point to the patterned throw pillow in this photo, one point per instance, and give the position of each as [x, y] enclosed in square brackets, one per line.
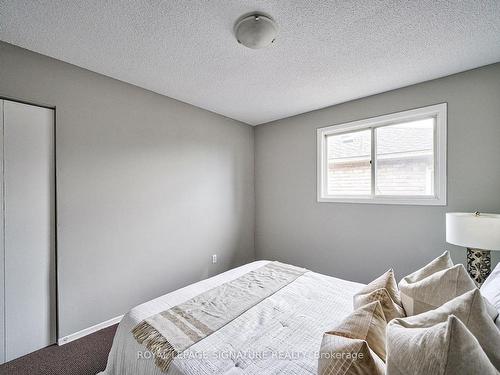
[385, 290]
[356, 345]
[344, 356]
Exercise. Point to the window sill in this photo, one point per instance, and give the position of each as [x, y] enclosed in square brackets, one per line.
[392, 200]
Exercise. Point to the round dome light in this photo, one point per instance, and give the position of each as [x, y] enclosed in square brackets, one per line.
[255, 31]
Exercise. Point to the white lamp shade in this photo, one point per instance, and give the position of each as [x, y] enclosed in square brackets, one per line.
[475, 231]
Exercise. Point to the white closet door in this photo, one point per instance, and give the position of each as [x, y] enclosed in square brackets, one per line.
[29, 239]
[2, 253]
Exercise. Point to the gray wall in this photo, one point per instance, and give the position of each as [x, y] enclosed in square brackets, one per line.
[360, 241]
[148, 187]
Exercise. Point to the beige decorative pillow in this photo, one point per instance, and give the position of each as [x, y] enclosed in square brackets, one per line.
[441, 263]
[390, 308]
[472, 310]
[434, 285]
[387, 281]
[341, 355]
[446, 348]
[357, 345]
[385, 290]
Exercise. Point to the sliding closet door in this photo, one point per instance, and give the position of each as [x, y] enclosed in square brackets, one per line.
[29, 240]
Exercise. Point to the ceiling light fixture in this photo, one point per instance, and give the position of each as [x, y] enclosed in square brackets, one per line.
[255, 31]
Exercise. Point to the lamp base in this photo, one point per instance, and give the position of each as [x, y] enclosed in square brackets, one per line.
[478, 265]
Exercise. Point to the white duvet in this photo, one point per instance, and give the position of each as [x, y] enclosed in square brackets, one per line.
[280, 335]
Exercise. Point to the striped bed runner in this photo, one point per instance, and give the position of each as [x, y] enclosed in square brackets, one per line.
[172, 331]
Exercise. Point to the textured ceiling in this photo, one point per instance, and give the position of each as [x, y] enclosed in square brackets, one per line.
[327, 52]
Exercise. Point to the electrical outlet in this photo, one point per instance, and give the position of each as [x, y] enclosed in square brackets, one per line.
[214, 258]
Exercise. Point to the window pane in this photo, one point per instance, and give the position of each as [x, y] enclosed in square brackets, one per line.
[348, 161]
[405, 158]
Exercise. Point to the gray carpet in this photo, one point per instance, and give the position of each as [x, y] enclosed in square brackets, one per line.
[86, 356]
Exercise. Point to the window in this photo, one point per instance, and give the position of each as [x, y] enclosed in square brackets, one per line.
[393, 159]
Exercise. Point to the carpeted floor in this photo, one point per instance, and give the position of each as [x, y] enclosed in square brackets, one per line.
[85, 356]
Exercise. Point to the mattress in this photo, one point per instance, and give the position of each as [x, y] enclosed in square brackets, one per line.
[280, 335]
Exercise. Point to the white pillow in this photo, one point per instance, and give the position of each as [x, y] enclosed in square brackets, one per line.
[491, 289]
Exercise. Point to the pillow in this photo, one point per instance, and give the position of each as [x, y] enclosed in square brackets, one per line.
[391, 309]
[341, 355]
[471, 309]
[491, 289]
[433, 285]
[385, 290]
[441, 263]
[356, 345]
[387, 281]
[366, 323]
[492, 310]
[446, 348]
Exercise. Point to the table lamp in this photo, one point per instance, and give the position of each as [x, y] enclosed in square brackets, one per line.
[479, 233]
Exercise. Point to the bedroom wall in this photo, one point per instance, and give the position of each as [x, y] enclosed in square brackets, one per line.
[360, 241]
[148, 188]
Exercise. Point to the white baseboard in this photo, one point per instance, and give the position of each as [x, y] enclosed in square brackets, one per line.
[88, 331]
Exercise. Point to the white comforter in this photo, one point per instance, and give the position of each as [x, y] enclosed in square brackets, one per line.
[280, 335]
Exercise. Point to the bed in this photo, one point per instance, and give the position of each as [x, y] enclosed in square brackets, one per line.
[279, 335]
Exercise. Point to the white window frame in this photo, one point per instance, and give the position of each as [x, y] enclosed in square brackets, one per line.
[438, 111]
